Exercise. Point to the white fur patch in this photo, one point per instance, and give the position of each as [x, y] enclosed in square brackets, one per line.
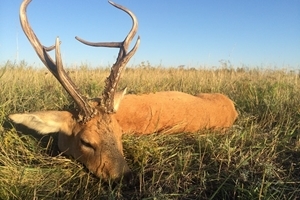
[42, 122]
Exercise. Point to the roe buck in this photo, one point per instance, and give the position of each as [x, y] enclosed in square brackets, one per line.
[93, 135]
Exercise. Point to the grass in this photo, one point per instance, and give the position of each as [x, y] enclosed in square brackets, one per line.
[259, 158]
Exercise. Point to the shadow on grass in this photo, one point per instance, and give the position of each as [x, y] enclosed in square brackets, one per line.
[49, 141]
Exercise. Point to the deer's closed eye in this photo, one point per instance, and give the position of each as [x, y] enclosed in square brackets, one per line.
[86, 144]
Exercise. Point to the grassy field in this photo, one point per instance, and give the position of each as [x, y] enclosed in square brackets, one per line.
[259, 158]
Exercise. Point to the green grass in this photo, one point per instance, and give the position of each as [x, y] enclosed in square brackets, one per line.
[259, 158]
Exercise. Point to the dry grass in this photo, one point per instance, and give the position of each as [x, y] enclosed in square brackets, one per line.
[259, 158]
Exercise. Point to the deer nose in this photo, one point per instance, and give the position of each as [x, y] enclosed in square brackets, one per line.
[115, 169]
[121, 173]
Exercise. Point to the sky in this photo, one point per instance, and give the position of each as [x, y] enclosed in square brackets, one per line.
[193, 33]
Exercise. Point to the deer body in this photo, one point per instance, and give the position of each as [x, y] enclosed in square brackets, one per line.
[175, 112]
[101, 137]
[93, 134]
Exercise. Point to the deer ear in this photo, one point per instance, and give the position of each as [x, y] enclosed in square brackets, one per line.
[46, 122]
[118, 98]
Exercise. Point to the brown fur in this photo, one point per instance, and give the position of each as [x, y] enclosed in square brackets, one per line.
[174, 112]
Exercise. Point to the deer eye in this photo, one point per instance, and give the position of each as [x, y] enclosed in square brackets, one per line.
[86, 144]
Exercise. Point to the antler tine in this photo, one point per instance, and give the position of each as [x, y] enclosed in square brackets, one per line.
[51, 47]
[123, 58]
[100, 44]
[55, 68]
[134, 27]
[127, 40]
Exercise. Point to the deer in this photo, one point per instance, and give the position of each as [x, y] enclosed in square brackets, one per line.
[92, 133]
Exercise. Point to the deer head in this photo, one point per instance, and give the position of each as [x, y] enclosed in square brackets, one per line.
[91, 135]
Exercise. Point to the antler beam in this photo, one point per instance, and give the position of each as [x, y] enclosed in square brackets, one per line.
[123, 58]
[55, 68]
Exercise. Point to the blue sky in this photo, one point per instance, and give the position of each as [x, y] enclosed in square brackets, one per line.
[193, 33]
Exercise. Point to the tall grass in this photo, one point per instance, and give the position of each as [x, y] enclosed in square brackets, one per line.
[259, 158]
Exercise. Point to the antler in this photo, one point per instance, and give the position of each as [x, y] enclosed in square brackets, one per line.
[123, 57]
[55, 68]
